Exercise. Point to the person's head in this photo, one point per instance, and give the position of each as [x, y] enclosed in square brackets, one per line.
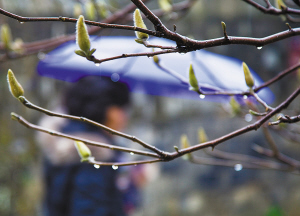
[99, 99]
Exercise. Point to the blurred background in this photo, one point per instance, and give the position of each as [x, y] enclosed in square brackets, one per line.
[176, 187]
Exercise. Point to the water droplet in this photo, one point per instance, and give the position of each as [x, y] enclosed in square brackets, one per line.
[21, 22]
[41, 55]
[259, 48]
[97, 64]
[248, 117]
[202, 96]
[97, 166]
[245, 97]
[115, 167]
[131, 153]
[182, 53]
[238, 167]
[150, 57]
[115, 77]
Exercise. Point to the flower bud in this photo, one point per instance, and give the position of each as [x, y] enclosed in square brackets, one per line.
[90, 10]
[77, 10]
[202, 135]
[6, 36]
[280, 4]
[156, 59]
[165, 5]
[223, 26]
[15, 87]
[138, 22]
[82, 36]
[192, 79]
[185, 144]
[248, 76]
[235, 106]
[83, 151]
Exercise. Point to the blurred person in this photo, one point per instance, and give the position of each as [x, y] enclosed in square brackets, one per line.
[74, 188]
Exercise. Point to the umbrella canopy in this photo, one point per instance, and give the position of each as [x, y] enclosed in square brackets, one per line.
[214, 72]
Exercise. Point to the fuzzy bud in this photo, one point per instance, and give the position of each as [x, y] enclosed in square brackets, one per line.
[192, 79]
[248, 76]
[156, 59]
[90, 10]
[223, 26]
[185, 144]
[6, 36]
[82, 36]
[165, 5]
[83, 151]
[235, 106]
[15, 87]
[138, 22]
[280, 4]
[77, 10]
[202, 135]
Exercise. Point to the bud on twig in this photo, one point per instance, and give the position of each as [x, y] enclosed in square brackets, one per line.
[280, 4]
[15, 87]
[82, 36]
[83, 151]
[248, 76]
[77, 10]
[138, 22]
[185, 144]
[202, 135]
[90, 10]
[6, 36]
[235, 106]
[193, 80]
[165, 5]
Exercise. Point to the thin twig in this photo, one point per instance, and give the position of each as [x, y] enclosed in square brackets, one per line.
[21, 120]
[28, 104]
[117, 164]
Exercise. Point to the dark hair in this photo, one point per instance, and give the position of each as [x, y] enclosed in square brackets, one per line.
[91, 96]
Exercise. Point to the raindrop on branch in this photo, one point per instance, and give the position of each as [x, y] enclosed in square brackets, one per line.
[115, 167]
[245, 97]
[259, 48]
[97, 166]
[248, 117]
[238, 167]
[202, 96]
[131, 153]
[97, 64]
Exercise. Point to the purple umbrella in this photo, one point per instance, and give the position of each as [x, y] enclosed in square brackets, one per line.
[214, 72]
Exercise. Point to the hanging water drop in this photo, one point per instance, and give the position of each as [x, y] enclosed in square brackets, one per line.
[131, 153]
[248, 117]
[238, 167]
[21, 22]
[202, 96]
[97, 64]
[97, 166]
[115, 167]
[245, 97]
[259, 48]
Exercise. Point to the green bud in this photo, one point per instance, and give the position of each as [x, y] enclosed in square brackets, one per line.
[6, 36]
[235, 106]
[17, 46]
[83, 151]
[138, 22]
[193, 80]
[82, 36]
[80, 53]
[156, 59]
[103, 9]
[14, 116]
[202, 135]
[90, 10]
[165, 5]
[185, 144]
[248, 76]
[280, 4]
[223, 26]
[15, 87]
[77, 10]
